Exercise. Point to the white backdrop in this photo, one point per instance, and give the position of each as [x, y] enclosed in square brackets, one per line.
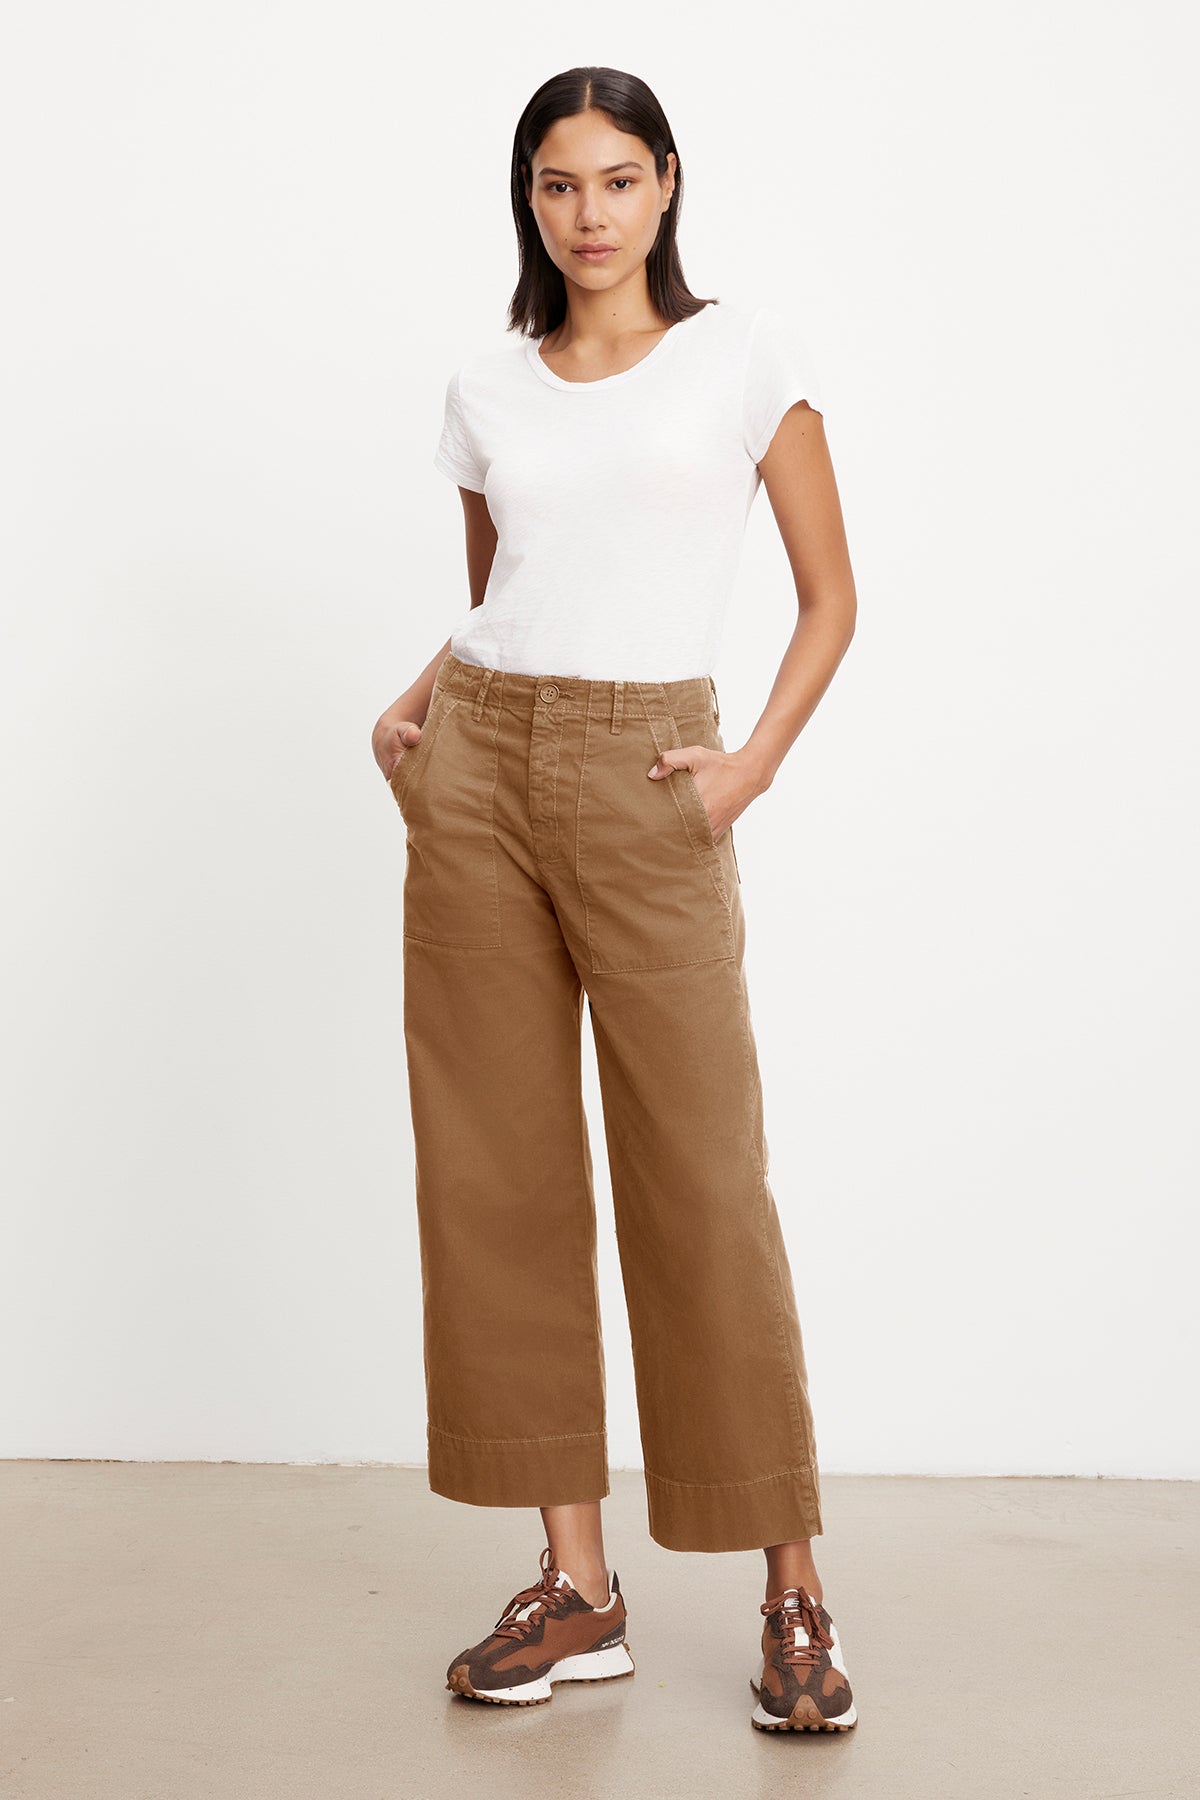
[246, 246]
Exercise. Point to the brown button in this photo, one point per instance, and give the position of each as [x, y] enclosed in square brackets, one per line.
[549, 692]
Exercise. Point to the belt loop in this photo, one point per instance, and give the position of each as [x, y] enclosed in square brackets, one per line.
[716, 707]
[481, 693]
[618, 705]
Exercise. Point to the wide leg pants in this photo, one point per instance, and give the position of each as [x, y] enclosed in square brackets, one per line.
[544, 868]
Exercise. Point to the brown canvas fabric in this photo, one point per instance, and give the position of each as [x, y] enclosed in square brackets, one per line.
[544, 869]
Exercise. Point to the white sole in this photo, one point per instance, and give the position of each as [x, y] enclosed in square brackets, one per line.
[591, 1665]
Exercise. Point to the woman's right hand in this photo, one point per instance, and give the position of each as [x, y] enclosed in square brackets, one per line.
[391, 739]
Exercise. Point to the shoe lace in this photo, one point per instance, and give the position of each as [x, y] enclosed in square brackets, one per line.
[803, 1612]
[546, 1591]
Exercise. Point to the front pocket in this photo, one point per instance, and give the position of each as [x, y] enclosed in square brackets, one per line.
[401, 778]
[401, 772]
[653, 897]
[451, 880]
[693, 798]
[717, 854]
[689, 798]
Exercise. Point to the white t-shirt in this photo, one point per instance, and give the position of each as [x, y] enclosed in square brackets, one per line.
[620, 505]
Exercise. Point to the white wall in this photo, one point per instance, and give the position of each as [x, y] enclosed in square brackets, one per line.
[245, 246]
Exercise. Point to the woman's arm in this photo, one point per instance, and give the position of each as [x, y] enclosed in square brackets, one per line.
[400, 726]
[799, 479]
[798, 475]
[481, 542]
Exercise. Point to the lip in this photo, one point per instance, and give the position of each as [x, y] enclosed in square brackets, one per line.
[594, 252]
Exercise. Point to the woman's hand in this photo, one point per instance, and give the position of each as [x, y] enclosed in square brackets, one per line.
[726, 780]
[393, 735]
[399, 728]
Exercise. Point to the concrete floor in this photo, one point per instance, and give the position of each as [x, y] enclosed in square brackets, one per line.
[197, 1631]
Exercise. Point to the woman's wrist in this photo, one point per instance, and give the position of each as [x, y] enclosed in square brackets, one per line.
[758, 764]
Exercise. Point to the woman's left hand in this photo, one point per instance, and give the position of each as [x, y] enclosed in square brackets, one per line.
[726, 780]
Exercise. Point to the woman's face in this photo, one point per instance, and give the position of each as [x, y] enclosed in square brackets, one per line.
[594, 186]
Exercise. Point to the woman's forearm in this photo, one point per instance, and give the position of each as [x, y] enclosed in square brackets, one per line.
[818, 644]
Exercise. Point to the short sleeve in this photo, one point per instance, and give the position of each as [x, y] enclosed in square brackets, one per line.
[455, 455]
[779, 371]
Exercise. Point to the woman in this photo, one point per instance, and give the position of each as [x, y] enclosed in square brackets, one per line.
[569, 804]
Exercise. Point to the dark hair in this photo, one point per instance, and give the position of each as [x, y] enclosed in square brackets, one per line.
[539, 301]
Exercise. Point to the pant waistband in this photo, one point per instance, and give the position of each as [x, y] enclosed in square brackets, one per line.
[577, 695]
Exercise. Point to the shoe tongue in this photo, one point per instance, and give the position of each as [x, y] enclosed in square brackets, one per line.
[792, 1618]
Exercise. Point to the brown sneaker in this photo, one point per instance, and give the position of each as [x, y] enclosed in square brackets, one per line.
[802, 1684]
[545, 1634]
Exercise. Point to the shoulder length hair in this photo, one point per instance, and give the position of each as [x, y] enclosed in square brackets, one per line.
[539, 301]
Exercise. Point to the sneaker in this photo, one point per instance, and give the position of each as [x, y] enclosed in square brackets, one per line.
[545, 1634]
[801, 1684]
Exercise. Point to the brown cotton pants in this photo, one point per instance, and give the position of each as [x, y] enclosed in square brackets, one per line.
[545, 867]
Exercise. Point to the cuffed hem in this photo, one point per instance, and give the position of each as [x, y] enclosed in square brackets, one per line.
[549, 1471]
[734, 1515]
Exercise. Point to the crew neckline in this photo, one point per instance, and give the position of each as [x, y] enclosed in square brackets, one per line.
[533, 355]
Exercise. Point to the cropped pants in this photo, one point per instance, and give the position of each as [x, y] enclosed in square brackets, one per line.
[543, 868]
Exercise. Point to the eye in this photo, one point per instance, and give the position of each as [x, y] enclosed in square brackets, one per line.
[621, 182]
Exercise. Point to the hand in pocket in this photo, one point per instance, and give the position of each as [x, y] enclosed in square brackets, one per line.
[722, 779]
[402, 744]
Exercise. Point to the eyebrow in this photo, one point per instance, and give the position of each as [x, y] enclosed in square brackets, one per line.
[611, 170]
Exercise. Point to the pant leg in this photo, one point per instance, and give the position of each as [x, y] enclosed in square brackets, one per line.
[513, 1352]
[652, 912]
[725, 1418]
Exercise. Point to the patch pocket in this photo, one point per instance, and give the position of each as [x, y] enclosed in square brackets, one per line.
[653, 898]
[451, 878]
